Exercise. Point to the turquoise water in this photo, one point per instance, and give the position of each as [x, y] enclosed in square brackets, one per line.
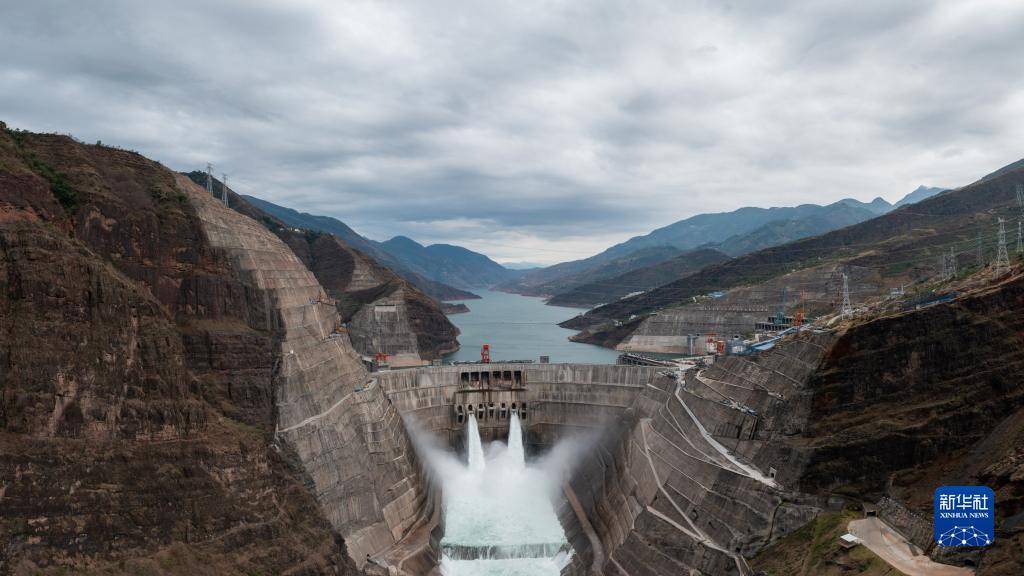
[521, 328]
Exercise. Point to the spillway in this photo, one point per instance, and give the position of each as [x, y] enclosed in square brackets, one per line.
[498, 515]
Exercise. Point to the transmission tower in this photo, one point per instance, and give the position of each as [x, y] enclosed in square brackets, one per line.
[847, 309]
[1002, 259]
[1020, 197]
[1020, 238]
[949, 264]
[978, 253]
[209, 178]
[224, 188]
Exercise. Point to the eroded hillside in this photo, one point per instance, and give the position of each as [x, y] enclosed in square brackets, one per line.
[137, 391]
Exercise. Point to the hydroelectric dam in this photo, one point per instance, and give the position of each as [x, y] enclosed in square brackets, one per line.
[654, 471]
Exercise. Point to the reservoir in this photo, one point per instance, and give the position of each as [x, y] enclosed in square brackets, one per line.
[521, 328]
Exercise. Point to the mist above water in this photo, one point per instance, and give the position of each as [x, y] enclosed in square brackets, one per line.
[499, 510]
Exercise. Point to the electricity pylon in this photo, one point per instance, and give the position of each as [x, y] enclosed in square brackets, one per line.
[224, 188]
[1002, 258]
[949, 265]
[209, 178]
[847, 309]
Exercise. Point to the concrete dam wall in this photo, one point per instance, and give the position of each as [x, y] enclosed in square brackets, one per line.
[675, 472]
[685, 465]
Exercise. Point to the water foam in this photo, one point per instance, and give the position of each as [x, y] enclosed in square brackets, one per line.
[499, 518]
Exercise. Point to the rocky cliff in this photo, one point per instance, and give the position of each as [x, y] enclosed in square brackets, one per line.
[906, 403]
[345, 433]
[328, 225]
[137, 396]
[383, 312]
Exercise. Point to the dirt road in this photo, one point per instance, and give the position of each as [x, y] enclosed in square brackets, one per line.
[878, 537]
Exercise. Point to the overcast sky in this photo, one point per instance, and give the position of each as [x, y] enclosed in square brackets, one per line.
[531, 131]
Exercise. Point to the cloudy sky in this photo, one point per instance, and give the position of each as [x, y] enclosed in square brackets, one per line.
[531, 131]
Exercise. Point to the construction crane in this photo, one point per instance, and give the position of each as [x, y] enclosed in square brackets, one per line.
[485, 354]
[798, 320]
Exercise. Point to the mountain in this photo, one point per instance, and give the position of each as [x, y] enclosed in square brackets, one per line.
[559, 278]
[446, 263]
[430, 286]
[141, 367]
[522, 265]
[638, 280]
[734, 233]
[416, 329]
[1008, 168]
[921, 193]
[831, 217]
[900, 244]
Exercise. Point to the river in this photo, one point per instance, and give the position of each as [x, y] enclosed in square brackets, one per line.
[521, 328]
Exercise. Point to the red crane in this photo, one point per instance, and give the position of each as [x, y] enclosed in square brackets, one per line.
[485, 354]
[799, 320]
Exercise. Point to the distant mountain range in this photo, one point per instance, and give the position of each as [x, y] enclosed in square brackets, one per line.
[730, 233]
[952, 218]
[443, 271]
[633, 281]
[446, 263]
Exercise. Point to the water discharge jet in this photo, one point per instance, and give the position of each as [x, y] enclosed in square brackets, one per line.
[474, 447]
[498, 516]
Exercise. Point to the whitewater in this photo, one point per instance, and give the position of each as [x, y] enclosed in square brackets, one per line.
[499, 515]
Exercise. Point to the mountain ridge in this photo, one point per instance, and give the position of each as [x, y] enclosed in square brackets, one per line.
[432, 287]
[735, 233]
[950, 217]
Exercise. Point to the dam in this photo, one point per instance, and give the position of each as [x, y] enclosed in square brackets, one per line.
[637, 452]
[656, 471]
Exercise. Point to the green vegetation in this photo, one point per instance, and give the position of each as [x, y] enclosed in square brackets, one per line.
[59, 186]
[161, 195]
[814, 550]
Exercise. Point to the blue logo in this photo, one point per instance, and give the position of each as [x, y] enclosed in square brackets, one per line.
[964, 516]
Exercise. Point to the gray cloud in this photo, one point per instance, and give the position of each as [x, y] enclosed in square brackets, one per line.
[531, 131]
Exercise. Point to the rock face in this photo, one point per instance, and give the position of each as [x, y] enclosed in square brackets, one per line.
[137, 396]
[373, 249]
[383, 312]
[906, 403]
[343, 429]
